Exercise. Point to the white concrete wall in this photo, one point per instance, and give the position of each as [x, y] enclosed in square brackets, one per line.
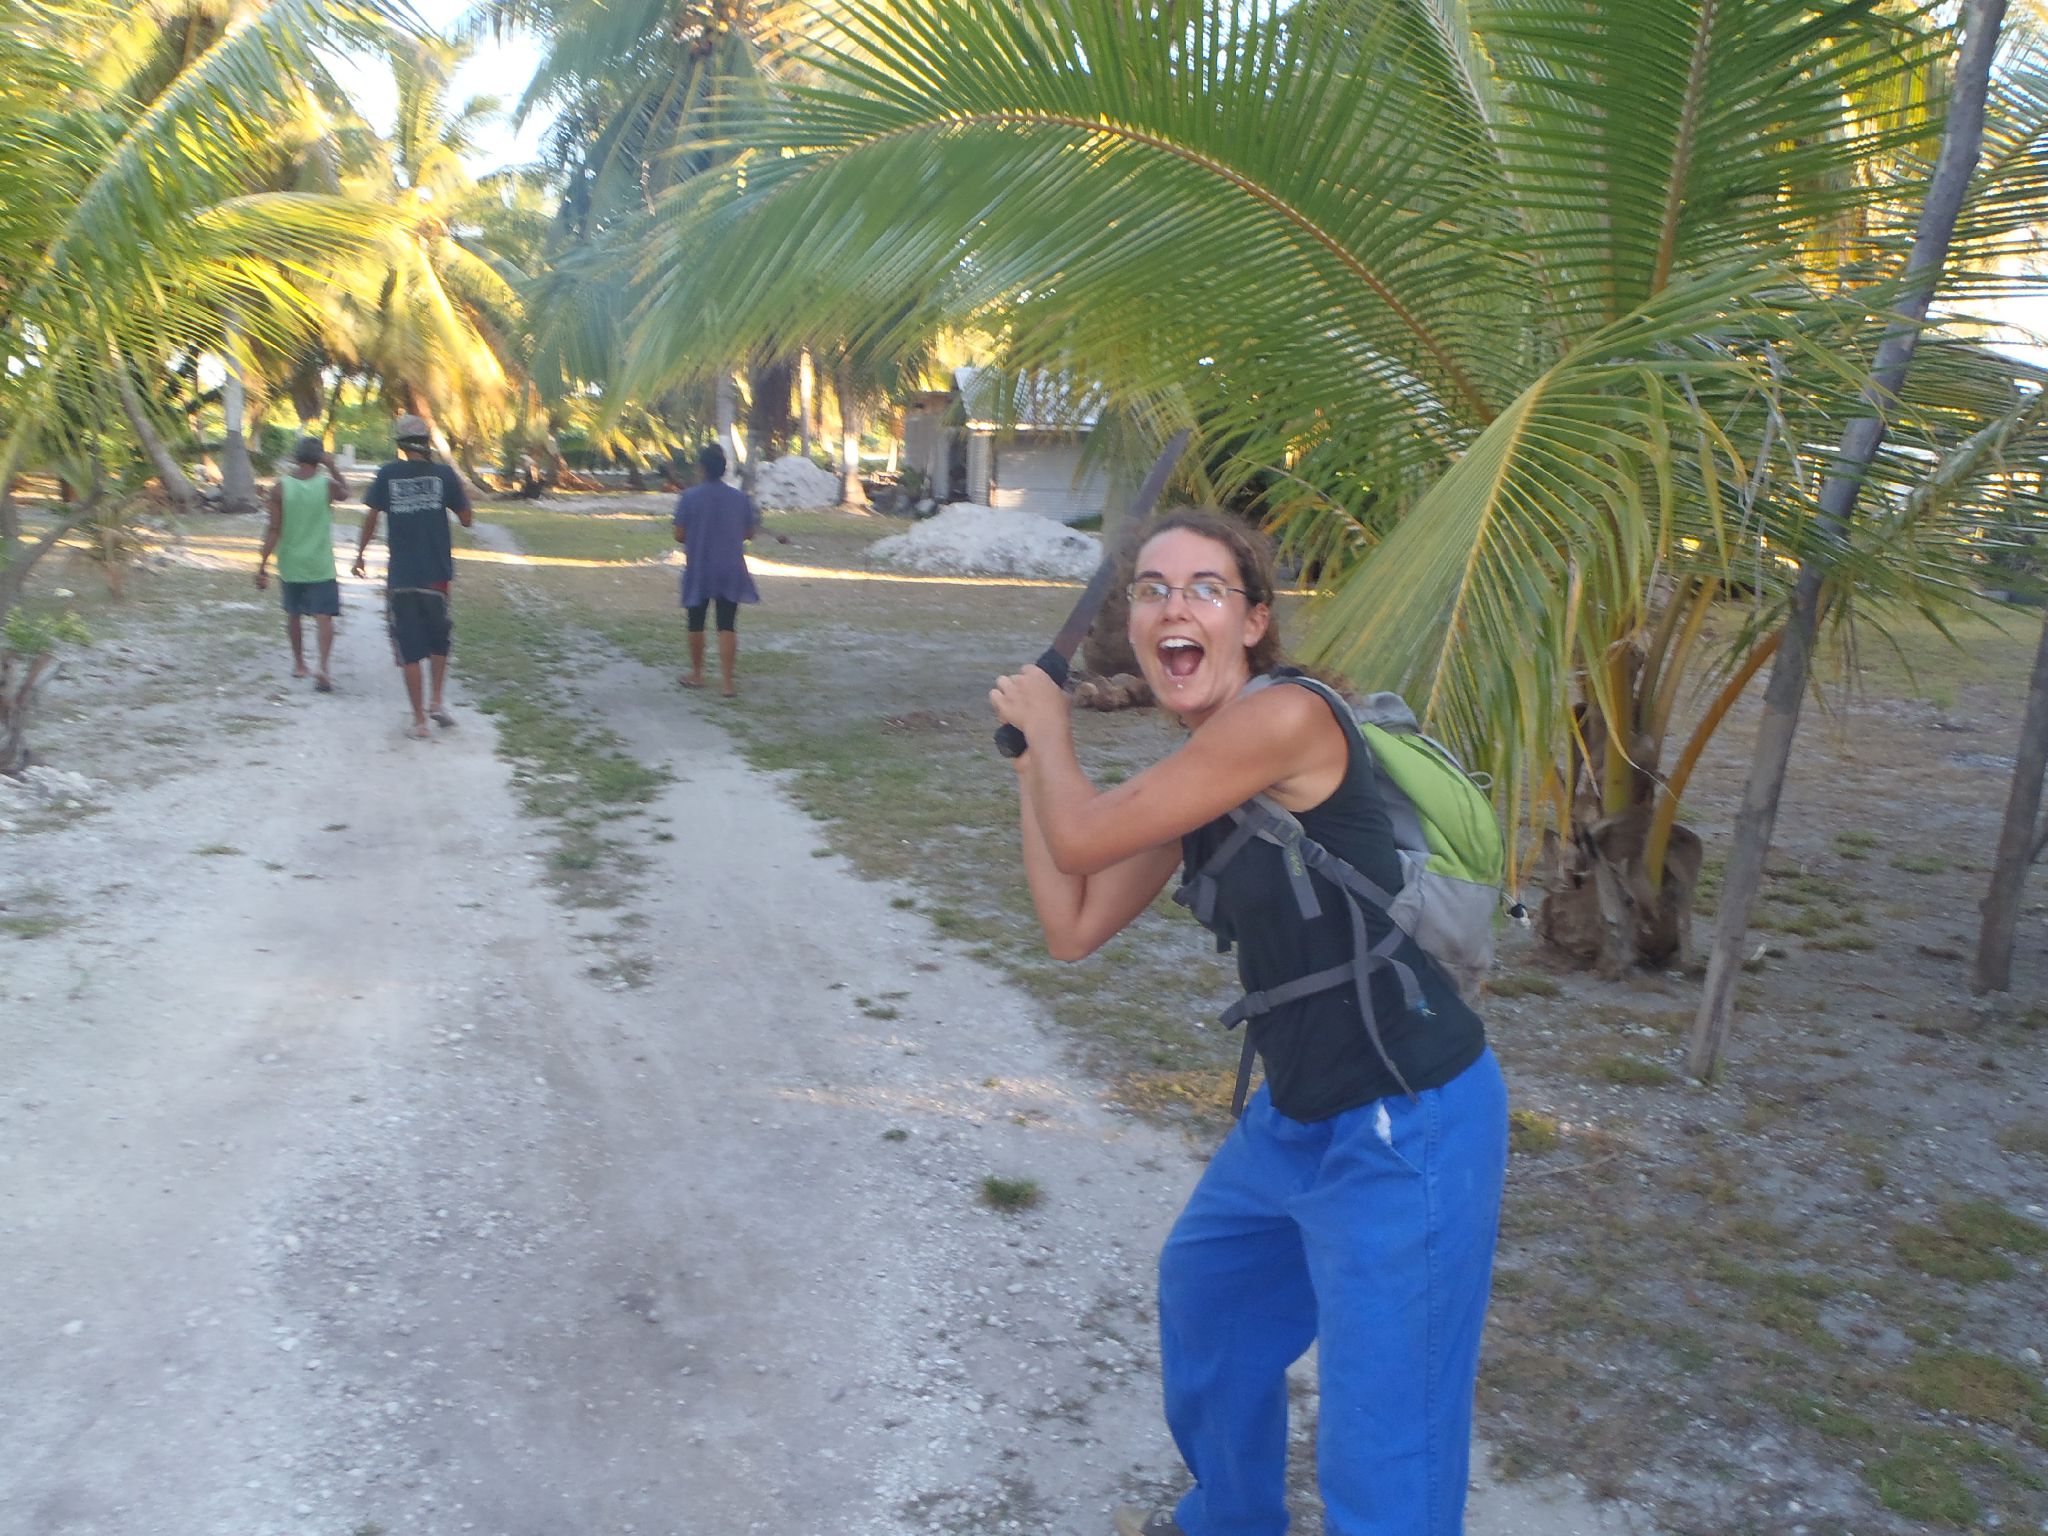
[1039, 476]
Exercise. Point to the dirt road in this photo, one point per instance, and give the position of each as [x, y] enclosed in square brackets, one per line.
[339, 1198]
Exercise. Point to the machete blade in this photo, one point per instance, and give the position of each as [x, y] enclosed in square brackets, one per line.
[1057, 656]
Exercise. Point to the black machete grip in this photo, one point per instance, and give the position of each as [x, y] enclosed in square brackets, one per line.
[1009, 740]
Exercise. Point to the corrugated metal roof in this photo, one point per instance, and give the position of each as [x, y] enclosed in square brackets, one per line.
[1041, 400]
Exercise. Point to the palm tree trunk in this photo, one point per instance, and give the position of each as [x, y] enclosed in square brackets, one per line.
[1961, 141]
[177, 485]
[806, 388]
[465, 458]
[2019, 844]
[237, 473]
[851, 492]
[725, 409]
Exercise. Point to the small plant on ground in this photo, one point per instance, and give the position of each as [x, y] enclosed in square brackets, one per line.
[1633, 1071]
[1531, 1133]
[2029, 1136]
[1004, 1194]
[28, 654]
[1524, 984]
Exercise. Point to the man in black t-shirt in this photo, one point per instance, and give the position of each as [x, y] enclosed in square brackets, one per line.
[417, 495]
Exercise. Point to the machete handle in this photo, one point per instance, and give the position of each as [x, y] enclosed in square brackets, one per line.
[1009, 740]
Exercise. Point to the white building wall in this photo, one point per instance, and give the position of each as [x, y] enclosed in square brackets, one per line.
[980, 463]
[1039, 477]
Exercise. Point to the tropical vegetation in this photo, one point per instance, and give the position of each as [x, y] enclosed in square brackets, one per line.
[1529, 326]
[1538, 321]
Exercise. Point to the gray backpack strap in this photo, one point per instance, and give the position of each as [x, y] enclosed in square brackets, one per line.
[1261, 818]
[1271, 820]
[1198, 892]
[1357, 973]
[1390, 712]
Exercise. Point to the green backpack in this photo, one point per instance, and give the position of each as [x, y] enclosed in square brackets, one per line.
[1452, 863]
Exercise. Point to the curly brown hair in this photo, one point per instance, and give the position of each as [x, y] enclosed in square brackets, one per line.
[1252, 551]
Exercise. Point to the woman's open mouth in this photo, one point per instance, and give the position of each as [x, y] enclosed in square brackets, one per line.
[1179, 657]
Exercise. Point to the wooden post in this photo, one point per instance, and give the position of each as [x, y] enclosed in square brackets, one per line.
[2019, 844]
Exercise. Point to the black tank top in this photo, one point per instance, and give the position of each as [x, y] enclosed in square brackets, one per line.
[1319, 1061]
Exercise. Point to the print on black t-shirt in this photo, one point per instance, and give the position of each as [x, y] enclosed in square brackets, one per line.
[416, 496]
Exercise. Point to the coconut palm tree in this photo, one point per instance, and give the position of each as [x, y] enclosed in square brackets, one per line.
[1535, 309]
[130, 141]
[128, 227]
[648, 100]
[434, 314]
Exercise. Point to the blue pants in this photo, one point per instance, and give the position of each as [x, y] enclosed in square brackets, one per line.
[1372, 1232]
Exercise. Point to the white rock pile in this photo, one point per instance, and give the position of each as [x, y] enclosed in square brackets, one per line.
[967, 539]
[794, 481]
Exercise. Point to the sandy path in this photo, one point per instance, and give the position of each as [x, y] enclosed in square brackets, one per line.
[337, 1196]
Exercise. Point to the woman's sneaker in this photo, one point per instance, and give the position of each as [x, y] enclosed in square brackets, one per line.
[1132, 1521]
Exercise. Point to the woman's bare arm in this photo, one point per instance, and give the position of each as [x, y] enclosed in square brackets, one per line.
[1081, 913]
[1282, 741]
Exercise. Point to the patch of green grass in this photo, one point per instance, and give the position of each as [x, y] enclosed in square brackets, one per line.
[1976, 1386]
[1855, 844]
[567, 533]
[1842, 941]
[852, 529]
[1633, 1071]
[1006, 1194]
[1919, 863]
[1919, 1483]
[896, 1133]
[218, 851]
[1965, 1245]
[1524, 984]
[31, 925]
[1532, 1134]
[1989, 1224]
[1708, 886]
[1935, 1252]
[1833, 1420]
[567, 770]
[2028, 1138]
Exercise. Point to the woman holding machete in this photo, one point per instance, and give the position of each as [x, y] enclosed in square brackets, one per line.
[1355, 1203]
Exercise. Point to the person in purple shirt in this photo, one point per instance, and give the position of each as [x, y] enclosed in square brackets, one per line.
[713, 523]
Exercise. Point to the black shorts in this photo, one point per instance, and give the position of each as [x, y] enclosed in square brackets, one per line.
[420, 622]
[321, 599]
[728, 615]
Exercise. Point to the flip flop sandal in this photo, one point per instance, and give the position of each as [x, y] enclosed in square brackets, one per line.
[441, 717]
[322, 685]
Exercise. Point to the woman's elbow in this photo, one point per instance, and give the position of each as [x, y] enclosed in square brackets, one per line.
[1075, 856]
[1070, 947]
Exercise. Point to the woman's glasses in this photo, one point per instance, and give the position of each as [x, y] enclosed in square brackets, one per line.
[1148, 591]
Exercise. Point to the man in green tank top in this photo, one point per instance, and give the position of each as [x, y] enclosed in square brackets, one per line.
[301, 531]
